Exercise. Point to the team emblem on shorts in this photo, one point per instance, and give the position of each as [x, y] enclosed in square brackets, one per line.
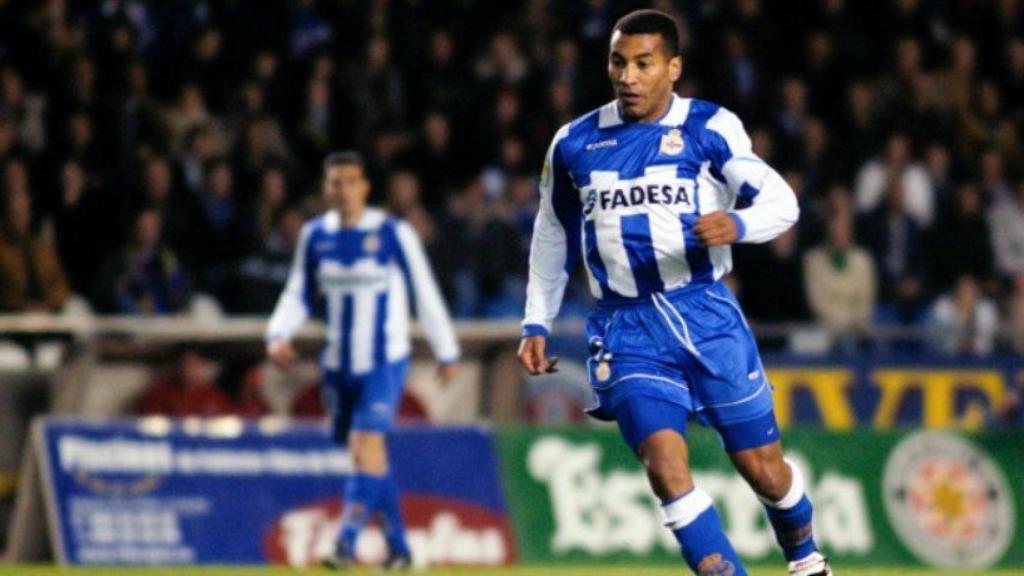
[672, 142]
[603, 372]
[948, 501]
[371, 243]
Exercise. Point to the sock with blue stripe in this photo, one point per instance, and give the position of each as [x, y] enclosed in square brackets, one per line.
[791, 519]
[362, 492]
[698, 529]
[391, 508]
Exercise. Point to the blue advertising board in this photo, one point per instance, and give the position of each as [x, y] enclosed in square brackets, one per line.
[224, 491]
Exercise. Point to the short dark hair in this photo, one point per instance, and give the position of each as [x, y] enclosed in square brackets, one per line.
[344, 158]
[649, 21]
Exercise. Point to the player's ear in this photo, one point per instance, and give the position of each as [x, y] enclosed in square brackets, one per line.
[675, 68]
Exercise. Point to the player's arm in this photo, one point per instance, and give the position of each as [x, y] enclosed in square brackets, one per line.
[554, 252]
[765, 204]
[292, 307]
[430, 308]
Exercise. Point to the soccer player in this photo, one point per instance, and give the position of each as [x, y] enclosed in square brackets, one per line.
[362, 269]
[652, 189]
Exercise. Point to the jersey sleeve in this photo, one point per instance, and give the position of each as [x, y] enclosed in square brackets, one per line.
[430, 307]
[296, 300]
[555, 246]
[765, 204]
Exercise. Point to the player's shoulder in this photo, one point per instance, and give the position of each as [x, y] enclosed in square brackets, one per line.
[321, 224]
[705, 115]
[571, 136]
[717, 130]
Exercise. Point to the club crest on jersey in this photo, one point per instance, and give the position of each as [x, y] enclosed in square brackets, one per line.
[672, 142]
[603, 372]
[371, 243]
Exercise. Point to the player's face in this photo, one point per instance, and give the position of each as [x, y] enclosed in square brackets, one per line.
[346, 188]
[642, 73]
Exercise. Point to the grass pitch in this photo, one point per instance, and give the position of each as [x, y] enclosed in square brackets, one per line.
[596, 570]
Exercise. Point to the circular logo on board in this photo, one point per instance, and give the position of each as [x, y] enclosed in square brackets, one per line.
[371, 243]
[948, 501]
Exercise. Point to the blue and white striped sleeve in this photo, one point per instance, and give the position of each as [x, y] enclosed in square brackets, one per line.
[555, 247]
[430, 308]
[293, 306]
[765, 204]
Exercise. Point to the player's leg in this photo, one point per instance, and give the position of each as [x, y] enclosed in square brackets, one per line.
[655, 429]
[733, 395]
[373, 419]
[779, 485]
[339, 402]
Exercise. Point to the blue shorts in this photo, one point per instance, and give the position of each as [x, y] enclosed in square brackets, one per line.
[367, 402]
[690, 351]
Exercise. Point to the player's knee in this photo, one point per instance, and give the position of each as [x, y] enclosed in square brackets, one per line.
[768, 479]
[369, 453]
[668, 474]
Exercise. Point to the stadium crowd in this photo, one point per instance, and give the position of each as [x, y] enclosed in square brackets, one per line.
[154, 151]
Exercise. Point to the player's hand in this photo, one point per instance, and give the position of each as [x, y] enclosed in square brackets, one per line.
[446, 372]
[716, 229]
[531, 356]
[281, 353]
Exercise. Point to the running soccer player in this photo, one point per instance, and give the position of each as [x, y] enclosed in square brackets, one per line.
[361, 268]
[652, 189]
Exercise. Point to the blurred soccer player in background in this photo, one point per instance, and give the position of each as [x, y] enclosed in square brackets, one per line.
[653, 189]
[362, 269]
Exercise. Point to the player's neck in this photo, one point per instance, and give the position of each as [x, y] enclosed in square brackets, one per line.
[656, 114]
[351, 218]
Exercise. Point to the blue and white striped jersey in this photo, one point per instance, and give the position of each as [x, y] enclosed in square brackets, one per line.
[626, 196]
[361, 278]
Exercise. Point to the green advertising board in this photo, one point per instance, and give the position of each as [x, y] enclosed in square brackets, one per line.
[930, 498]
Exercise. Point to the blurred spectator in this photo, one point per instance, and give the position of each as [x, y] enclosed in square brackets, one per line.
[200, 145]
[145, 278]
[985, 124]
[964, 321]
[273, 194]
[222, 229]
[79, 244]
[26, 111]
[31, 276]
[260, 146]
[435, 160]
[898, 162]
[1015, 316]
[239, 381]
[959, 243]
[403, 200]
[939, 166]
[995, 186]
[1006, 218]
[207, 68]
[189, 114]
[261, 277]
[377, 91]
[859, 125]
[839, 278]
[188, 388]
[782, 298]
[315, 137]
[441, 83]
[308, 30]
[896, 241]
